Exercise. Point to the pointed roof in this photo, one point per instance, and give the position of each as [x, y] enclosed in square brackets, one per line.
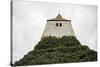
[58, 18]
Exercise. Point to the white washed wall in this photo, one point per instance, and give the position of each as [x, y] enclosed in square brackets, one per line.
[52, 30]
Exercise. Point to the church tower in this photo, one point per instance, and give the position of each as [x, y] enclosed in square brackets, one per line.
[58, 27]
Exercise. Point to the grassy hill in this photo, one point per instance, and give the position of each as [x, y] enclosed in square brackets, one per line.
[51, 50]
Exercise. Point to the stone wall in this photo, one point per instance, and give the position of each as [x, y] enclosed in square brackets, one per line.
[52, 30]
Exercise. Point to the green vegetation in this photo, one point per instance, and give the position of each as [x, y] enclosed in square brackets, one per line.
[52, 50]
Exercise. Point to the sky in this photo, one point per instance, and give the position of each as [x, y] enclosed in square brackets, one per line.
[30, 18]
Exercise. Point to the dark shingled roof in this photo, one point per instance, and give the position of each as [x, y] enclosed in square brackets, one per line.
[58, 18]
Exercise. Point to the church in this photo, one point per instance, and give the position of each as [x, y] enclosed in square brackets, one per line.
[58, 27]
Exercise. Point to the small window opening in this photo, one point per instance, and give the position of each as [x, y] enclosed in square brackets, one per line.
[57, 24]
[60, 24]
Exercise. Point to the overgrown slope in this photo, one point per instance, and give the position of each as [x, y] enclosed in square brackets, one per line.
[52, 50]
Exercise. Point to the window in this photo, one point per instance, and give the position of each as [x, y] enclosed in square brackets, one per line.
[59, 24]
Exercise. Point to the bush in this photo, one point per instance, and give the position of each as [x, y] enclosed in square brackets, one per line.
[58, 50]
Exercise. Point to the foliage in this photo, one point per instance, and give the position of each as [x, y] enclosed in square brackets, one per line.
[52, 50]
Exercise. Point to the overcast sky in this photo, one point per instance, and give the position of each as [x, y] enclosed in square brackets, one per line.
[29, 20]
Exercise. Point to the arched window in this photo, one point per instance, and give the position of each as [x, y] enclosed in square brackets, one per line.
[57, 24]
[60, 24]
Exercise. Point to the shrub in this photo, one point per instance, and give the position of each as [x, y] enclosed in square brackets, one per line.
[58, 50]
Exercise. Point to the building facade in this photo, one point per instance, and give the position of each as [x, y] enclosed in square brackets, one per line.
[58, 27]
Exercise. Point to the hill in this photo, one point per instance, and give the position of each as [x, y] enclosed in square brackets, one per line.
[52, 50]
